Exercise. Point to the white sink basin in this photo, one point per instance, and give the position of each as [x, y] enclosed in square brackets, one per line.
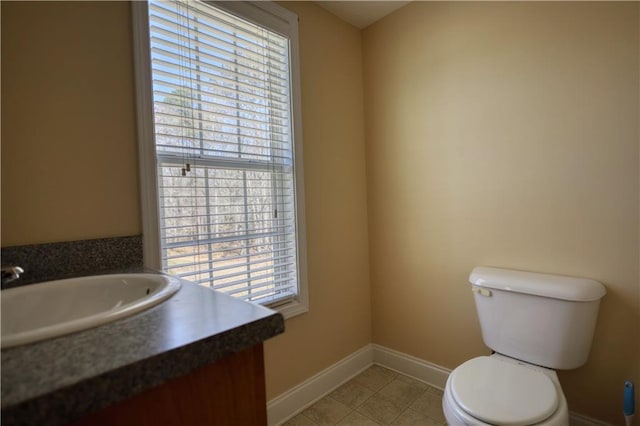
[40, 311]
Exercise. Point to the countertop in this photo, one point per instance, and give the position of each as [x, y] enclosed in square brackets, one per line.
[56, 381]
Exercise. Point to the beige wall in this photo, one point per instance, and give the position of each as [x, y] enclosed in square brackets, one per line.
[339, 320]
[69, 167]
[504, 134]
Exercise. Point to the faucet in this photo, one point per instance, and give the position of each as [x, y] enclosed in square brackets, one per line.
[11, 273]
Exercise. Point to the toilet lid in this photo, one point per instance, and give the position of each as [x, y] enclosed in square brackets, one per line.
[503, 393]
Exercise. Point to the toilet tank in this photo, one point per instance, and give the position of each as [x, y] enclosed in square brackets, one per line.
[542, 319]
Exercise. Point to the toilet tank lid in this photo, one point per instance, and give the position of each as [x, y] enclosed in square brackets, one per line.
[546, 285]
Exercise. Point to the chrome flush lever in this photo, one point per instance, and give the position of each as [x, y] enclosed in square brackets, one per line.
[481, 291]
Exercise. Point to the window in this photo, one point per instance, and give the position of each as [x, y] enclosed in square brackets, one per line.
[220, 147]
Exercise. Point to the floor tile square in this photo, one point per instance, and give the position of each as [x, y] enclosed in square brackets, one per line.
[413, 381]
[430, 405]
[435, 390]
[375, 377]
[327, 411]
[357, 419]
[351, 394]
[381, 409]
[299, 420]
[413, 418]
[403, 392]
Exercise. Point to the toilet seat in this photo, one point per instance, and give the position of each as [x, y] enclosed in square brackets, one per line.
[502, 392]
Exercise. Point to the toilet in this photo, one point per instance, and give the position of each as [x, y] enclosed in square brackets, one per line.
[535, 324]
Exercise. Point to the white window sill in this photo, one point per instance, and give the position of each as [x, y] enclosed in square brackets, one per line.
[292, 309]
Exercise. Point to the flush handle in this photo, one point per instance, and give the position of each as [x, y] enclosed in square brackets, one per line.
[482, 291]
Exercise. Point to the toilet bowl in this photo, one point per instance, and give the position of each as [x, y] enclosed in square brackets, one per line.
[498, 390]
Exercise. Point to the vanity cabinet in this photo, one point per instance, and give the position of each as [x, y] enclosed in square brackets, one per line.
[230, 392]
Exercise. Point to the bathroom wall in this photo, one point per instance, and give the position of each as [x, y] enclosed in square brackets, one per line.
[339, 320]
[504, 134]
[69, 167]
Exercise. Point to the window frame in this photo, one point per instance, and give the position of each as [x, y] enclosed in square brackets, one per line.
[265, 14]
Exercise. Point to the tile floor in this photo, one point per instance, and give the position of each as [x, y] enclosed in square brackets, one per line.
[377, 396]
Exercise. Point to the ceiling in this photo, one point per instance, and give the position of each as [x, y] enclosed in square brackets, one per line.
[361, 14]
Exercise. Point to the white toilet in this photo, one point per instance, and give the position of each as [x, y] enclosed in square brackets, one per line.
[535, 324]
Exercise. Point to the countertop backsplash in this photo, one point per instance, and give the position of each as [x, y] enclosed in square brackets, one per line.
[51, 261]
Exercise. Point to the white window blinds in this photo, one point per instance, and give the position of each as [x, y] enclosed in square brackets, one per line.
[224, 147]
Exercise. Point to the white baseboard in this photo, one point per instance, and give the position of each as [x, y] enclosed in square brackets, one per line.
[283, 407]
[432, 374]
[296, 399]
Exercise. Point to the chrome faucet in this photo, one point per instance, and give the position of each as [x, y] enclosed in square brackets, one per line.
[11, 273]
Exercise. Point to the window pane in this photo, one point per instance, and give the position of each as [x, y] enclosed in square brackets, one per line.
[225, 160]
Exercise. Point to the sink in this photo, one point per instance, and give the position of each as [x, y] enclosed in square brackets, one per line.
[37, 312]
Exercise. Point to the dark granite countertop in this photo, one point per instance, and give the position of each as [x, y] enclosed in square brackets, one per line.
[58, 380]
